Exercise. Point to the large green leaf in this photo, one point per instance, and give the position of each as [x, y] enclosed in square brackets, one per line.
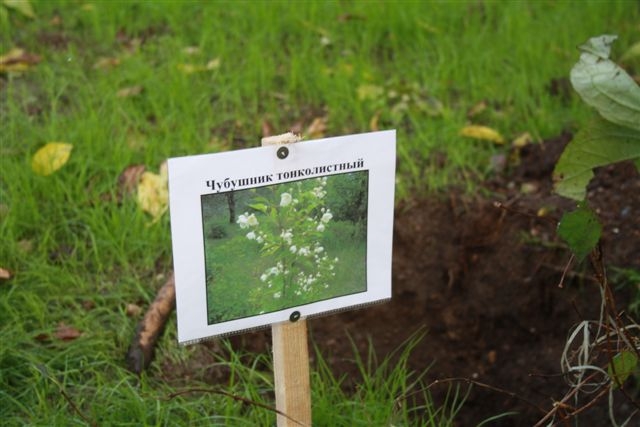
[581, 230]
[622, 366]
[599, 143]
[604, 85]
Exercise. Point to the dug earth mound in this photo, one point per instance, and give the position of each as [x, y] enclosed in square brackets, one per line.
[479, 275]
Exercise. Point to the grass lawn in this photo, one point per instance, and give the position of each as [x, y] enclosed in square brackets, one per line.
[130, 83]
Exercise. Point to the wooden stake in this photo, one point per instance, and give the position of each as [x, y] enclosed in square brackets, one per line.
[291, 373]
[291, 354]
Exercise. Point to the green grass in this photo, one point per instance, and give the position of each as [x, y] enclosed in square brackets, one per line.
[79, 255]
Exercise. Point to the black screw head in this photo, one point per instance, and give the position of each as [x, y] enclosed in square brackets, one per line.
[282, 153]
[295, 316]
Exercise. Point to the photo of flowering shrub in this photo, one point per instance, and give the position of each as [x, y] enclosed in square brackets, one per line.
[284, 245]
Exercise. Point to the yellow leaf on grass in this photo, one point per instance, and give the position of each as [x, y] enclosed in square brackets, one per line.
[191, 50]
[482, 132]
[192, 68]
[106, 63]
[522, 140]
[369, 92]
[22, 6]
[17, 60]
[153, 193]
[51, 157]
[129, 91]
[213, 64]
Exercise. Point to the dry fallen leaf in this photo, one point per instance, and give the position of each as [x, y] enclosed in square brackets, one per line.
[267, 128]
[373, 123]
[483, 133]
[192, 68]
[56, 21]
[42, 337]
[369, 92]
[129, 91]
[522, 140]
[25, 245]
[213, 64]
[4, 274]
[88, 304]
[129, 179]
[51, 157]
[18, 60]
[191, 50]
[477, 109]
[105, 63]
[66, 333]
[188, 68]
[317, 128]
[153, 193]
[133, 310]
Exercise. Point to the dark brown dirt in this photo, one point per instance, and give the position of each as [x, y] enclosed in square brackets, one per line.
[483, 282]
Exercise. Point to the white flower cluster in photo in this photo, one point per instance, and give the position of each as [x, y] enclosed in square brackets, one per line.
[302, 266]
[250, 221]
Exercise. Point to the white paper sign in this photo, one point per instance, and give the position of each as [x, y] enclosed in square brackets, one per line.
[267, 233]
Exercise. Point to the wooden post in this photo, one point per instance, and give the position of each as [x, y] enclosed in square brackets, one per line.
[291, 373]
[291, 354]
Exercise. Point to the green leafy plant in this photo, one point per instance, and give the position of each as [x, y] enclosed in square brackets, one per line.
[612, 136]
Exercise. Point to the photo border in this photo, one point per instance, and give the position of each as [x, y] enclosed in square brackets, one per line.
[366, 171]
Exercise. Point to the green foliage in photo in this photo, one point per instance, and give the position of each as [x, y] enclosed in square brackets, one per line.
[288, 247]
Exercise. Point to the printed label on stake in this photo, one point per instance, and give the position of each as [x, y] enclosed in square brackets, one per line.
[258, 235]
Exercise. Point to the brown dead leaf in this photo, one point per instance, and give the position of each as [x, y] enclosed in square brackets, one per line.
[42, 337]
[66, 333]
[129, 91]
[106, 63]
[345, 17]
[5, 274]
[18, 60]
[297, 127]
[317, 128]
[129, 179]
[267, 128]
[477, 109]
[56, 21]
[133, 310]
[373, 123]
